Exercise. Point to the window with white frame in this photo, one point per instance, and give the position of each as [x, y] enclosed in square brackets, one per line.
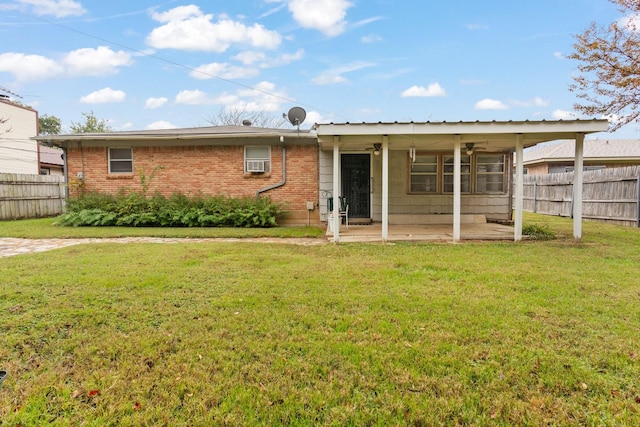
[465, 174]
[489, 173]
[257, 158]
[424, 174]
[120, 160]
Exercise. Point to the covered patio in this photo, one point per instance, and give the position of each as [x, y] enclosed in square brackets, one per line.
[422, 233]
[422, 181]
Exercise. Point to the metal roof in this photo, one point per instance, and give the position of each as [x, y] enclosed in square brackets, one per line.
[164, 136]
[495, 135]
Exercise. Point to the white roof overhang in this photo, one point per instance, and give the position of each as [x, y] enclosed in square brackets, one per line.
[494, 136]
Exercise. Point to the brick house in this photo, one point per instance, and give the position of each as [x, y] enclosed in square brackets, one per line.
[237, 161]
[408, 173]
[557, 157]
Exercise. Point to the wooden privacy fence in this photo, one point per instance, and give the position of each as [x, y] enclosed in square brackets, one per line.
[31, 196]
[610, 195]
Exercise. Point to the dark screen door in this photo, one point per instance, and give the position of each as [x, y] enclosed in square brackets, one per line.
[355, 184]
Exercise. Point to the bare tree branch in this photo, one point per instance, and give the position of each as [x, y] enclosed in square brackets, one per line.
[238, 116]
[608, 82]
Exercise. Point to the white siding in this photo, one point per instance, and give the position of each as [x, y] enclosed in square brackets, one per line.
[18, 153]
[493, 206]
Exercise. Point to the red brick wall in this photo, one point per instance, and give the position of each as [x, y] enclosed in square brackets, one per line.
[208, 170]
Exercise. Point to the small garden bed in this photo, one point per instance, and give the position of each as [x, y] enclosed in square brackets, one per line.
[138, 210]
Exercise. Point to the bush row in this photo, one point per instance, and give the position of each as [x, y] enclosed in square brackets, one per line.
[138, 210]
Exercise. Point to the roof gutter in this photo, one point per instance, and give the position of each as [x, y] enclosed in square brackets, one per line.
[284, 172]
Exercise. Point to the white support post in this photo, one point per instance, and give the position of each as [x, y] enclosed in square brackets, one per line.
[577, 187]
[336, 189]
[456, 189]
[385, 188]
[519, 202]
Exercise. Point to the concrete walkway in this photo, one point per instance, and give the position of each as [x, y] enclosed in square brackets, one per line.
[12, 246]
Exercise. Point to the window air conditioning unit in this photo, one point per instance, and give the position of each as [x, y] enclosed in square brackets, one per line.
[255, 166]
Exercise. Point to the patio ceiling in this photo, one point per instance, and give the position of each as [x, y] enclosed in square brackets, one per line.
[491, 136]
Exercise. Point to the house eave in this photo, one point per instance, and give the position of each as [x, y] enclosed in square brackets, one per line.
[191, 136]
[438, 135]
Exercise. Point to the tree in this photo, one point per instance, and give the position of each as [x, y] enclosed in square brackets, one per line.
[237, 117]
[49, 125]
[609, 80]
[91, 125]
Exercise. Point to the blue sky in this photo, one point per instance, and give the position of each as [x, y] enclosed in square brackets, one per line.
[147, 64]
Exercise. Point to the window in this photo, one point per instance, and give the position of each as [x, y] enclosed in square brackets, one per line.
[120, 160]
[424, 174]
[490, 173]
[257, 159]
[465, 174]
[479, 173]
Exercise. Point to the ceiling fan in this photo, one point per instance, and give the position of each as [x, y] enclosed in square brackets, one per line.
[471, 147]
[376, 148]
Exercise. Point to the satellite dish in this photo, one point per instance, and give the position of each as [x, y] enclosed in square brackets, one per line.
[296, 115]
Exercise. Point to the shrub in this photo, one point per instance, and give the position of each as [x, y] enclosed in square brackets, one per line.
[138, 210]
[538, 232]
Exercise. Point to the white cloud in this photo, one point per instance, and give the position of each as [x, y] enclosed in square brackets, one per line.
[223, 70]
[326, 16]
[312, 118]
[631, 23]
[249, 57]
[29, 67]
[558, 55]
[328, 79]
[283, 59]
[81, 62]
[335, 75]
[161, 124]
[96, 62]
[490, 104]
[535, 102]
[371, 38]
[193, 97]
[153, 103]
[104, 96]
[434, 89]
[187, 28]
[563, 115]
[264, 97]
[57, 8]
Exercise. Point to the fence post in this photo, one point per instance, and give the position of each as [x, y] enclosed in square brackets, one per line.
[535, 195]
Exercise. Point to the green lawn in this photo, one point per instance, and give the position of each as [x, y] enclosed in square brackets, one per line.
[534, 333]
[45, 228]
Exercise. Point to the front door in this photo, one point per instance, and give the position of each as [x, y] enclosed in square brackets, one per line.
[356, 172]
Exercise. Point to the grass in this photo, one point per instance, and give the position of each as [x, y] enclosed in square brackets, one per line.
[46, 228]
[535, 333]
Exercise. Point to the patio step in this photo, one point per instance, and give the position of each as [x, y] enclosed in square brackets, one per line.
[432, 219]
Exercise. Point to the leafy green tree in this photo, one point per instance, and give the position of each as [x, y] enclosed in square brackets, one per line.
[91, 125]
[608, 82]
[49, 125]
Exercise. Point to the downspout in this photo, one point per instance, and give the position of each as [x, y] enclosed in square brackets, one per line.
[284, 172]
[65, 172]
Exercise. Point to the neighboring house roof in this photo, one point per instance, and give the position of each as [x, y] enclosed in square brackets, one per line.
[599, 150]
[208, 134]
[50, 155]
